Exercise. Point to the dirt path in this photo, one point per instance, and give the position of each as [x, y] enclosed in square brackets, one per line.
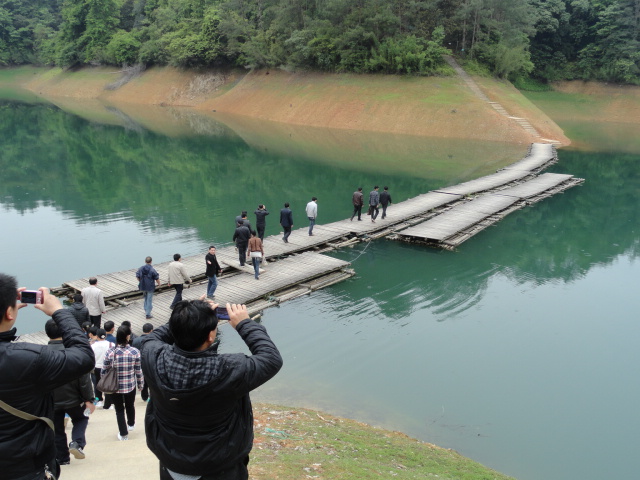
[475, 88]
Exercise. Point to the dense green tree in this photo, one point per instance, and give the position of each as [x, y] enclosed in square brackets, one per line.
[551, 39]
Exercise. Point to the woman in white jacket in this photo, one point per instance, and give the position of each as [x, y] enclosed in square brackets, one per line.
[100, 347]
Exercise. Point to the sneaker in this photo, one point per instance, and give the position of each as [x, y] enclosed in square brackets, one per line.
[122, 439]
[131, 427]
[100, 404]
[149, 316]
[66, 462]
[76, 451]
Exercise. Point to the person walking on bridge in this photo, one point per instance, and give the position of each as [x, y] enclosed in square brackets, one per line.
[178, 276]
[312, 213]
[147, 277]
[241, 239]
[385, 201]
[286, 220]
[212, 271]
[358, 202]
[261, 223]
[374, 201]
[93, 298]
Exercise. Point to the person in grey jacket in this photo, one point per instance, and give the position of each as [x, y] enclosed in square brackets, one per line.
[72, 399]
[374, 201]
[200, 419]
[178, 276]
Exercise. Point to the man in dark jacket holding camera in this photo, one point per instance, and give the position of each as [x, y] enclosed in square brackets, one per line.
[200, 421]
[29, 373]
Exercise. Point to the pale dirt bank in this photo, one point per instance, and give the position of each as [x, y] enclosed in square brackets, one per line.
[442, 107]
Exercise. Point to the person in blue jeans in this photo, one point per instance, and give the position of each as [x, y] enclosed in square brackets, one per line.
[212, 271]
[148, 278]
[256, 252]
[312, 213]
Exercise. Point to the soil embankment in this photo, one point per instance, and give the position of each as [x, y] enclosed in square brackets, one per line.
[442, 107]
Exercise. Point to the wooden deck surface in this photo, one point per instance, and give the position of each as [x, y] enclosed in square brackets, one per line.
[466, 215]
[303, 269]
[399, 215]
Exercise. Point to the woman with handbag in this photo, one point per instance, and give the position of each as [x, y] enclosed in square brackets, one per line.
[126, 361]
[256, 252]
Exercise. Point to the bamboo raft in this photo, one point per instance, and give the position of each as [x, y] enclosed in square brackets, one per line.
[465, 220]
[281, 281]
[119, 287]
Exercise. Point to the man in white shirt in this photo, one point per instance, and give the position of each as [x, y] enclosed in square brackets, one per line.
[178, 276]
[93, 298]
[312, 213]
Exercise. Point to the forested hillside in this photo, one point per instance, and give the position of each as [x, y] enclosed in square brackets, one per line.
[545, 39]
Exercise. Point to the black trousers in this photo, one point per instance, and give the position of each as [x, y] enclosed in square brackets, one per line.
[261, 229]
[242, 253]
[95, 320]
[79, 422]
[125, 402]
[357, 209]
[238, 471]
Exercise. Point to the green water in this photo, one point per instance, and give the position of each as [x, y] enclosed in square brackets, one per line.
[519, 350]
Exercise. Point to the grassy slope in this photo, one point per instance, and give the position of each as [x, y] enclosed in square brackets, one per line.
[293, 444]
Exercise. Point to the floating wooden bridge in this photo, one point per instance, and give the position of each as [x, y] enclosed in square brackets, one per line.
[442, 218]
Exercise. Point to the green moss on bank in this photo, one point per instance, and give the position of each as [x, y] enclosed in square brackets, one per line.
[296, 443]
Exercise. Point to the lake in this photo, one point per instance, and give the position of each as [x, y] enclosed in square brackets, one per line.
[519, 350]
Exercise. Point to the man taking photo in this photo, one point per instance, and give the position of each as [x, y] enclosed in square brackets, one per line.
[200, 422]
[29, 374]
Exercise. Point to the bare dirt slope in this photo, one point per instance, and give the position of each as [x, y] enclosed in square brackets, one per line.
[431, 107]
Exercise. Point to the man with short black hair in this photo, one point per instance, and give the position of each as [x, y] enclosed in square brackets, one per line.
[29, 374]
[200, 422]
[357, 201]
[241, 238]
[147, 277]
[286, 220]
[178, 276]
[110, 329]
[374, 201]
[70, 399]
[242, 218]
[261, 221]
[212, 270]
[93, 298]
[79, 310]
[385, 201]
[312, 213]
[147, 328]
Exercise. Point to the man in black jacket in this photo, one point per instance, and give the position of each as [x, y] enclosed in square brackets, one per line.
[286, 220]
[29, 373]
[385, 201]
[79, 310]
[200, 421]
[261, 221]
[212, 271]
[72, 399]
[241, 238]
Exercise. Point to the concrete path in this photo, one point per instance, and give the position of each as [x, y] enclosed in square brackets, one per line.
[107, 457]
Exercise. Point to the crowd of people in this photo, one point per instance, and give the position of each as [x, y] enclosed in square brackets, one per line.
[198, 417]
[198, 420]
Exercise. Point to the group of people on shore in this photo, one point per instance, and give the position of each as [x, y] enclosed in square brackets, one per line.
[198, 421]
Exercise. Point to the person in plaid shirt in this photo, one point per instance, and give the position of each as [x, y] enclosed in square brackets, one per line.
[126, 360]
[199, 422]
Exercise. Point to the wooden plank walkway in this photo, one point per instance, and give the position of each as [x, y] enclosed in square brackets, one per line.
[280, 281]
[400, 215]
[461, 222]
